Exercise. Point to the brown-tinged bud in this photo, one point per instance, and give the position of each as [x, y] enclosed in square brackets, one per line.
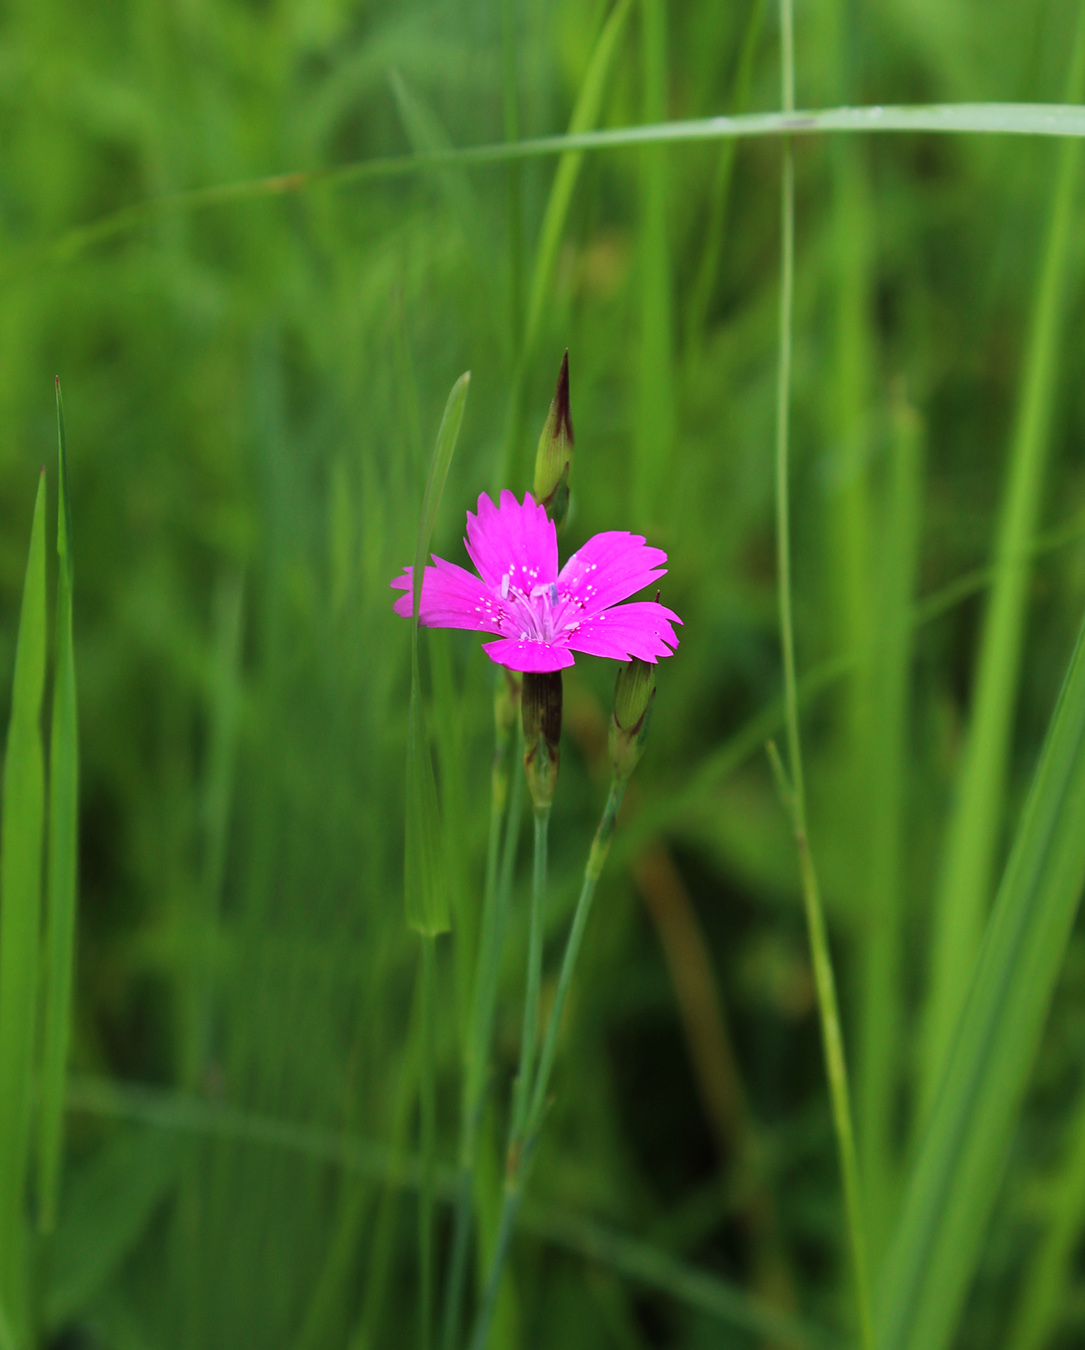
[540, 704]
[554, 459]
[633, 697]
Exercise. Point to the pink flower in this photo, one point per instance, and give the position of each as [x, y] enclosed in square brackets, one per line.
[540, 614]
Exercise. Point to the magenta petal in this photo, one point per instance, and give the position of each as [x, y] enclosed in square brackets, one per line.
[643, 629]
[514, 540]
[452, 597]
[609, 568]
[538, 657]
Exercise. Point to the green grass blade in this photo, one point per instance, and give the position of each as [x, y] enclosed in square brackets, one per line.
[953, 1184]
[21, 831]
[426, 895]
[654, 427]
[953, 119]
[971, 852]
[63, 852]
[708, 268]
[836, 1069]
[886, 777]
[586, 113]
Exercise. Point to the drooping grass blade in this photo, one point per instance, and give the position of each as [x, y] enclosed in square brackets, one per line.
[21, 830]
[954, 1182]
[63, 848]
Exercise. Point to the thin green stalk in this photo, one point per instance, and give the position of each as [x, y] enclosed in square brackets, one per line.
[495, 906]
[428, 1113]
[600, 848]
[522, 1146]
[534, 975]
[832, 1039]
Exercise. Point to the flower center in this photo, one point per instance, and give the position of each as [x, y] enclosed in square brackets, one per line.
[533, 611]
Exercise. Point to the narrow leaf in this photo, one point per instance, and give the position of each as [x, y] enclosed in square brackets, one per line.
[585, 115]
[425, 893]
[21, 824]
[954, 1182]
[63, 848]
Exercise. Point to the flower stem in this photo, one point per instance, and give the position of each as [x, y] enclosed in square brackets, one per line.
[522, 1143]
[495, 906]
[522, 1095]
[832, 1038]
[428, 1142]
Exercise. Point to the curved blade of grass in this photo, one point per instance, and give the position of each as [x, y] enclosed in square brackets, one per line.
[21, 830]
[1001, 119]
[953, 1184]
[971, 850]
[63, 849]
[424, 889]
[585, 114]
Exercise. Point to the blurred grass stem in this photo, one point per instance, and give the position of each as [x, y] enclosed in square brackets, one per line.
[522, 1148]
[495, 908]
[832, 1038]
[428, 1112]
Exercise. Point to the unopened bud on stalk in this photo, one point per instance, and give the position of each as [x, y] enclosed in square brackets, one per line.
[555, 454]
[633, 696]
[540, 704]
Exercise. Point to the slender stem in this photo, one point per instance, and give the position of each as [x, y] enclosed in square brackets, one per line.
[495, 907]
[534, 978]
[429, 1140]
[523, 1142]
[832, 1039]
[596, 860]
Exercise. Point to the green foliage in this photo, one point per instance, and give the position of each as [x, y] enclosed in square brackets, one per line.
[259, 243]
[22, 831]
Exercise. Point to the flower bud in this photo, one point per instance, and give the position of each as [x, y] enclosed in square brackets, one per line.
[555, 454]
[540, 704]
[633, 696]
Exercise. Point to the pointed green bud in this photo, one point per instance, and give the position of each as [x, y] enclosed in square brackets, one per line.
[633, 696]
[540, 705]
[555, 455]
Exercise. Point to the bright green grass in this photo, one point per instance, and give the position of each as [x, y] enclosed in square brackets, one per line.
[255, 366]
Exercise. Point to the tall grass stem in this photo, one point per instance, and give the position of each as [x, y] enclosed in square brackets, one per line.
[832, 1037]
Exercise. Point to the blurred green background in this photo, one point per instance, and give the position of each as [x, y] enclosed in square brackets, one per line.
[252, 392]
